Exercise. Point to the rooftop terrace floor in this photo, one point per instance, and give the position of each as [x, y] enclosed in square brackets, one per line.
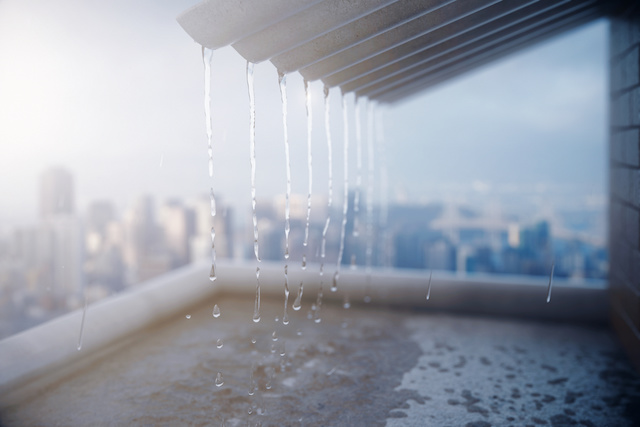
[364, 366]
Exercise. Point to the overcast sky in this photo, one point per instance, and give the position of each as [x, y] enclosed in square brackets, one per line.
[113, 91]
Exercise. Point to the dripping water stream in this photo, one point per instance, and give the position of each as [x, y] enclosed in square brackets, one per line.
[323, 245]
[356, 198]
[345, 203]
[207, 56]
[252, 158]
[307, 91]
[84, 314]
[370, 185]
[282, 82]
[553, 266]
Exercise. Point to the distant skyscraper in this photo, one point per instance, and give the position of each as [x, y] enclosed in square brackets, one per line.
[56, 193]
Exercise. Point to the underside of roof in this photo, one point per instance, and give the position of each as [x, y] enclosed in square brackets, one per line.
[385, 50]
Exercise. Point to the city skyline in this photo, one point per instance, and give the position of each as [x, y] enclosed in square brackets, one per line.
[124, 112]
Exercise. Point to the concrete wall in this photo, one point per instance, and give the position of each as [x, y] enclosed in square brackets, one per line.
[624, 156]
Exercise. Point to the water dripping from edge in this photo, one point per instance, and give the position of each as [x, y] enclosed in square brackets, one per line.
[307, 91]
[356, 197]
[282, 82]
[252, 156]
[345, 203]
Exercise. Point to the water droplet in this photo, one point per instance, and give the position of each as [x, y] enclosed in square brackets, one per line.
[212, 273]
[277, 319]
[213, 203]
[216, 311]
[251, 391]
[429, 285]
[219, 343]
[219, 380]
[299, 332]
[334, 285]
[285, 316]
[273, 348]
[346, 303]
[282, 350]
[317, 319]
[274, 336]
[304, 262]
[256, 306]
[253, 340]
[553, 266]
[188, 316]
[297, 303]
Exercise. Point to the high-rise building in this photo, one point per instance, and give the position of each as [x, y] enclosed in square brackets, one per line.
[56, 193]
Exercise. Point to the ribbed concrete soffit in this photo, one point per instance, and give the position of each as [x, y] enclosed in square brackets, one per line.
[385, 50]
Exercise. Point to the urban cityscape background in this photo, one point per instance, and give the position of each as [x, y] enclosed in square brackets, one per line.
[52, 266]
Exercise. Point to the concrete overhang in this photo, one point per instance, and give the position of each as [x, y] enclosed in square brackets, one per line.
[384, 50]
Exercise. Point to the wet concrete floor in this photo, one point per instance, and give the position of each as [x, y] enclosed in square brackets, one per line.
[365, 366]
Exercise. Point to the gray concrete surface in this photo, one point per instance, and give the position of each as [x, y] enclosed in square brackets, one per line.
[365, 366]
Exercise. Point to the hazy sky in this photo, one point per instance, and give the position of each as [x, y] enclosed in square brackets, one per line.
[113, 91]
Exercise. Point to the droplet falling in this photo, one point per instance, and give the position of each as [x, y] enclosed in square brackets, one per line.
[553, 266]
[345, 203]
[219, 380]
[346, 302]
[216, 311]
[297, 303]
[274, 336]
[285, 316]
[304, 262]
[307, 91]
[252, 156]
[84, 314]
[282, 82]
[256, 306]
[213, 202]
[219, 343]
[429, 285]
[212, 272]
[188, 316]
